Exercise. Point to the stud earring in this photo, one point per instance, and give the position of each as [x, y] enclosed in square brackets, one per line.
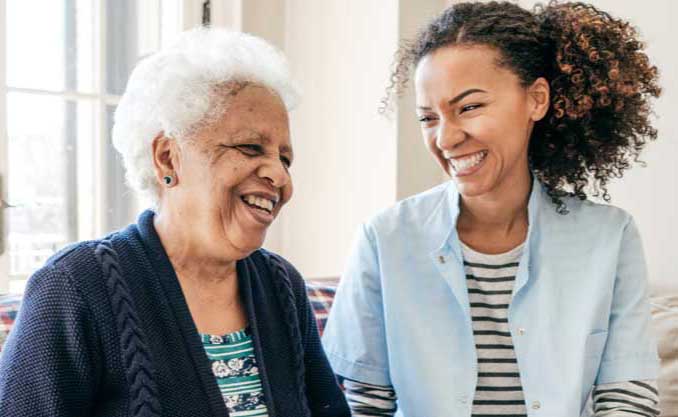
[169, 180]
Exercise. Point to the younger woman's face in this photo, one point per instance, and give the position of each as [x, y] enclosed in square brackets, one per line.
[476, 117]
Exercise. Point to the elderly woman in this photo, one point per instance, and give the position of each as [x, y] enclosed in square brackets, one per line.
[504, 292]
[182, 314]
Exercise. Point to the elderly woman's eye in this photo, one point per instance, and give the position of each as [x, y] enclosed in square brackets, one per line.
[250, 150]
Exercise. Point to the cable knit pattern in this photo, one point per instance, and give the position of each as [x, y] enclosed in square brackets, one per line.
[135, 354]
[288, 305]
[104, 331]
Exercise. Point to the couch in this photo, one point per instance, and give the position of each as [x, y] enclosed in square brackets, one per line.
[321, 295]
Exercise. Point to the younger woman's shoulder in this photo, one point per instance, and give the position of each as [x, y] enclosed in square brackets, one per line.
[412, 214]
[592, 208]
[413, 205]
[591, 214]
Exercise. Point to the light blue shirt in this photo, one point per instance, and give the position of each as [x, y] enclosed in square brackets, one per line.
[579, 314]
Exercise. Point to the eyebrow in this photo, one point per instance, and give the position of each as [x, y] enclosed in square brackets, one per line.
[458, 98]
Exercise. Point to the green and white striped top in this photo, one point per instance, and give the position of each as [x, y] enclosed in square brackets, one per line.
[234, 366]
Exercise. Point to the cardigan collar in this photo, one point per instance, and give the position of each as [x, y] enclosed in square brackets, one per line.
[251, 269]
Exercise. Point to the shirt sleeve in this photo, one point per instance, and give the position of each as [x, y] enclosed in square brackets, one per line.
[628, 398]
[630, 351]
[367, 400]
[354, 336]
[48, 365]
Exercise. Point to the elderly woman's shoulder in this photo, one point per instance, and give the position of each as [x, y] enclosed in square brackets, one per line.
[65, 287]
[75, 257]
[71, 268]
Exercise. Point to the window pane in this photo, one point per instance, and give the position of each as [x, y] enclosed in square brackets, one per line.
[50, 45]
[122, 47]
[86, 44]
[171, 20]
[43, 176]
[148, 24]
[122, 202]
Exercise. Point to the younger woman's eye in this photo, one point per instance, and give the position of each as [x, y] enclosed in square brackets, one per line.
[425, 119]
[470, 107]
[286, 161]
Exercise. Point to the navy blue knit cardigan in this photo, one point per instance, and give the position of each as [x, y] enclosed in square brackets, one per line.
[104, 330]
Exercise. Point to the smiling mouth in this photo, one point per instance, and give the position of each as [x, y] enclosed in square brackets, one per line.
[259, 203]
[468, 162]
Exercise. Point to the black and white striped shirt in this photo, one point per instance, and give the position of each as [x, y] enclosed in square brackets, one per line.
[490, 280]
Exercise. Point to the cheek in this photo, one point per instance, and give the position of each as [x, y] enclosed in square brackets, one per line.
[485, 129]
[230, 173]
[288, 191]
[515, 135]
[505, 134]
[223, 187]
[429, 136]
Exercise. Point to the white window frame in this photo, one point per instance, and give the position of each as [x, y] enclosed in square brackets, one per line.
[94, 225]
[4, 257]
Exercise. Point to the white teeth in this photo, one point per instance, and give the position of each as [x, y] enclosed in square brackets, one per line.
[259, 202]
[468, 162]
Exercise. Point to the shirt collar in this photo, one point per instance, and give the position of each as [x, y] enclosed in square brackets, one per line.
[448, 213]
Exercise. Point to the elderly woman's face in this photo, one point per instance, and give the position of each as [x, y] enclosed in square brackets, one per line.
[233, 173]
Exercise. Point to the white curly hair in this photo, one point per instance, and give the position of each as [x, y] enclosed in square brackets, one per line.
[177, 88]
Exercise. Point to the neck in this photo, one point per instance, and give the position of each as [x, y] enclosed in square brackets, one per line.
[191, 260]
[502, 210]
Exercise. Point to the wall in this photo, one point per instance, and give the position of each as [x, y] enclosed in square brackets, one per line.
[350, 161]
[353, 162]
[651, 193]
[416, 167]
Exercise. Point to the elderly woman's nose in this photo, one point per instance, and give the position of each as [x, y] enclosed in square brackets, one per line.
[275, 171]
[449, 135]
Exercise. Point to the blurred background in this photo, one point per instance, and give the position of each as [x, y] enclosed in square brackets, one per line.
[64, 65]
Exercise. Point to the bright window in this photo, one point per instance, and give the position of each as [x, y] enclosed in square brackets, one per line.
[66, 65]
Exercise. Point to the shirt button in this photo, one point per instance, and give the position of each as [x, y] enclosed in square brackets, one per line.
[441, 259]
[521, 331]
[536, 405]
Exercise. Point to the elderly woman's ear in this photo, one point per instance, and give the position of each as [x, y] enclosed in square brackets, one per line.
[166, 160]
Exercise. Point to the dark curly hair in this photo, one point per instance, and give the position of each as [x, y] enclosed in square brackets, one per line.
[601, 83]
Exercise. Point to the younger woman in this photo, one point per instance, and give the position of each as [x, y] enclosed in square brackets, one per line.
[506, 292]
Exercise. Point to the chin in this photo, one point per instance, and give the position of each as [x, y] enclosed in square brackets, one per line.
[471, 188]
[252, 244]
